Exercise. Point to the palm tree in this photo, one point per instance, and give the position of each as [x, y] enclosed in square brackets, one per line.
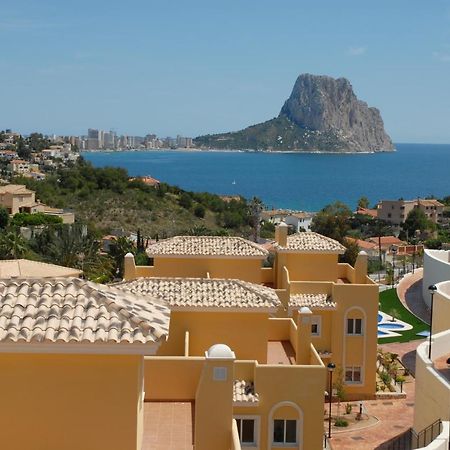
[12, 245]
[73, 246]
[118, 249]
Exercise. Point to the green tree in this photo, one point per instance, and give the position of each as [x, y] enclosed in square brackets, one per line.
[416, 220]
[363, 202]
[255, 209]
[74, 246]
[118, 249]
[333, 221]
[12, 245]
[4, 218]
[185, 200]
[351, 253]
[199, 211]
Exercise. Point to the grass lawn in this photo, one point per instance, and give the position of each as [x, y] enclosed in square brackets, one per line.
[390, 304]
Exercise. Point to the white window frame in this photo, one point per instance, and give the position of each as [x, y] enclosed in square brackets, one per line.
[256, 428]
[353, 331]
[285, 444]
[316, 320]
[352, 369]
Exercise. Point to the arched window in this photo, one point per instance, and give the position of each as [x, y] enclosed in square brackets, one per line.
[285, 425]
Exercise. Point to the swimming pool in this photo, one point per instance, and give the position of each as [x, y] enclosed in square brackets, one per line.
[388, 327]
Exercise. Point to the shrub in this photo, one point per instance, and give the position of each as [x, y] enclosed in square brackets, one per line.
[340, 423]
[199, 211]
[26, 219]
[348, 408]
[185, 200]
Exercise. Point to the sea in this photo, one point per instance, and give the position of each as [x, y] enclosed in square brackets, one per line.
[297, 181]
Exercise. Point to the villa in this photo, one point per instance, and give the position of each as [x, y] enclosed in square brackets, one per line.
[17, 198]
[282, 324]
[71, 364]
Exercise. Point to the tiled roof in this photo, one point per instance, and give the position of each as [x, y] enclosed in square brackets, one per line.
[206, 246]
[70, 310]
[24, 268]
[309, 242]
[311, 301]
[204, 292]
[15, 189]
[244, 391]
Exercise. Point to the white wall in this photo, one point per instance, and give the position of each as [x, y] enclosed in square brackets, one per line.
[432, 389]
[442, 441]
[436, 268]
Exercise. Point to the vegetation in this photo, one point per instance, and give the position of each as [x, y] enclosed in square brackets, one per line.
[390, 304]
[339, 422]
[105, 198]
[27, 219]
[277, 134]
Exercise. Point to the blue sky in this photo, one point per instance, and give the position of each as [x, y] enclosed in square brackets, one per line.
[195, 67]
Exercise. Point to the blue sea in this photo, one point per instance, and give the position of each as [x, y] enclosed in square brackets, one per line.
[294, 180]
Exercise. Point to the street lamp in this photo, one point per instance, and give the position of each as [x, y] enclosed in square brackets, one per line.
[432, 289]
[330, 368]
[394, 252]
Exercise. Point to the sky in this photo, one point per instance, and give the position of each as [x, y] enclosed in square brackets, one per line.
[204, 66]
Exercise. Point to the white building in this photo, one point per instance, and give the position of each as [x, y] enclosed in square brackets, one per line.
[436, 268]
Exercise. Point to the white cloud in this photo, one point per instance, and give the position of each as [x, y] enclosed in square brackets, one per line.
[441, 56]
[356, 51]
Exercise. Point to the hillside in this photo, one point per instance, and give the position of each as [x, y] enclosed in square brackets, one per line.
[322, 114]
[105, 198]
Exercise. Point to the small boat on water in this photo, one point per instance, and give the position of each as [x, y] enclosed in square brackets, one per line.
[233, 182]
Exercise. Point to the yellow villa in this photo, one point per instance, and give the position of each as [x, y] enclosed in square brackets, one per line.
[212, 335]
[281, 325]
[72, 364]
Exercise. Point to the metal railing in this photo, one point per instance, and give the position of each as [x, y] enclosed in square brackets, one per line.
[410, 440]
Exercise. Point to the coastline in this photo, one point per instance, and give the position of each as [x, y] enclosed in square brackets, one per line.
[211, 150]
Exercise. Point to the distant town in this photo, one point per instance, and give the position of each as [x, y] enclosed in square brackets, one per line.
[110, 140]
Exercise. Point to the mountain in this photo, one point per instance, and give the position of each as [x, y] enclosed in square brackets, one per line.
[322, 114]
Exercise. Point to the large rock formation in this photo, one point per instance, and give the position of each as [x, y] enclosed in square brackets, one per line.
[322, 114]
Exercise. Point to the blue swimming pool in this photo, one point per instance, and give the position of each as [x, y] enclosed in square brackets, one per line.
[391, 325]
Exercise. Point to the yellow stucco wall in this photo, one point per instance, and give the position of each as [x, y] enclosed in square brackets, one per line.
[214, 406]
[55, 402]
[245, 333]
[243, 269]
[307, 266]
[356, 301]
[174, 378]
[288, 392]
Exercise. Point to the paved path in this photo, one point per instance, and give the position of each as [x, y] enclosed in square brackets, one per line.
[409, 291]
[395, 416]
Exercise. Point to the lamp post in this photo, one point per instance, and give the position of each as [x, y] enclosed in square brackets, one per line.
[394, 252]
[330, 368]
[432, 289]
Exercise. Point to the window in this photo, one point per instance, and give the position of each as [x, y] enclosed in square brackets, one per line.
[389, 215]
[315, 325]
[284, 431]
[354, 326]
[247, 430]
[353, 374]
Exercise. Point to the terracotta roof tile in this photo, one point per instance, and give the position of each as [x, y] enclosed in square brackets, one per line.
[244, 391]
[311, 301]
[204, 292]
[74, 310]
[309, 242]
[206, 246]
